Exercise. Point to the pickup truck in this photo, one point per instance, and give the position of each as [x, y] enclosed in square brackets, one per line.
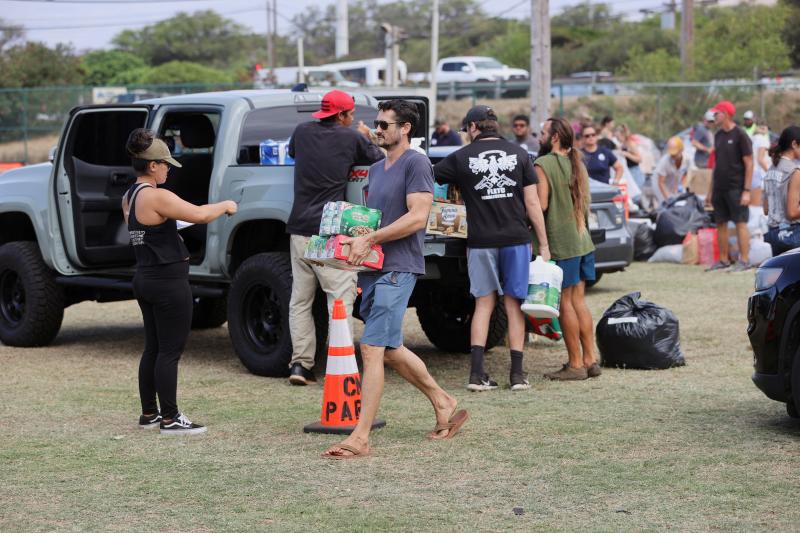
[63, 239]
[476, 69]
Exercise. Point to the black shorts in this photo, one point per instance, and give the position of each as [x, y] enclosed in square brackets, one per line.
[728, 208]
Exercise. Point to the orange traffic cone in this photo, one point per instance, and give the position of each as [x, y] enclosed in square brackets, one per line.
[341, 398]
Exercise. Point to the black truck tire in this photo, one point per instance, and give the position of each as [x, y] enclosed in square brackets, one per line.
[209, 313]
[446, 318]
[31, 302]
[258, 314]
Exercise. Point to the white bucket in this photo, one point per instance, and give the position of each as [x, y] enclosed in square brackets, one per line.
[544, 289]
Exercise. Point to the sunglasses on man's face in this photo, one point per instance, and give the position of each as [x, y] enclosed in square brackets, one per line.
[382, 124]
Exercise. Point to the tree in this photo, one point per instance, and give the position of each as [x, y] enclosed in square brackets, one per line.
[203, 37]
[791, 30]
[102, 66]
[183, 72]
[9, 33]
[34, 64]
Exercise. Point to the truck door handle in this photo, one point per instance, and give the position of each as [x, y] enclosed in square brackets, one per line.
[119, 178]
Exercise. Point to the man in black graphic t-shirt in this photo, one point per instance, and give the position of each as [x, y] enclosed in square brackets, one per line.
[498, 184]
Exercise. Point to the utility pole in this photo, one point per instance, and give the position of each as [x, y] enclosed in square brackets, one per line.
[434, 58]
[301, 61]
[687, 38]
[273, 60]
[393, 36]
[342, 30]
[540, 62]
[270, 43]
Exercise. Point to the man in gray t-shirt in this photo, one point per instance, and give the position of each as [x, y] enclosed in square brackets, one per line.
[401, 186]
[703, 140]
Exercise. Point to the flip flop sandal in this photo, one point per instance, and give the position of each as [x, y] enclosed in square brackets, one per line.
[357, 453]
[453, 425]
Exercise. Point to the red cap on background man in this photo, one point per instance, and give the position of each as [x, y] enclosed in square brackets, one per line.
[725, 106]
[334, 102]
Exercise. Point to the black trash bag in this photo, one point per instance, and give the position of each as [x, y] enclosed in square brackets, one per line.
[635, 333]
[644, 245]
[681, 215]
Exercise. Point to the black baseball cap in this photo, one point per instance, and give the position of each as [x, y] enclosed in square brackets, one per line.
[477, 114]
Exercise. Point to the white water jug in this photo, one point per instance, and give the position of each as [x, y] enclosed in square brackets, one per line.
[544, 289]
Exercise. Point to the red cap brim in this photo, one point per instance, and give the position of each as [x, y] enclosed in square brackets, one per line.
[323, 114]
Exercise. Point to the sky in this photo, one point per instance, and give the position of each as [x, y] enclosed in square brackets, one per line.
[91, 24]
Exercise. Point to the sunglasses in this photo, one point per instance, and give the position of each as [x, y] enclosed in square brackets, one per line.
[382, 124]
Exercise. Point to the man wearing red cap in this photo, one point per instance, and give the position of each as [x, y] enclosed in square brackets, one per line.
[324, 152]
[729, 193]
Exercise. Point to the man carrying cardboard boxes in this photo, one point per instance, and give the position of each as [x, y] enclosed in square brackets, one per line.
[324, 152]
[401, 187]
[498, 184]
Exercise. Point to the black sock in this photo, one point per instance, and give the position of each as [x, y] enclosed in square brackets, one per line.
[516, 362]
[477, 360]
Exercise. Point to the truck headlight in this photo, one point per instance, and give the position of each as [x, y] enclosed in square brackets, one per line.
[767, 277]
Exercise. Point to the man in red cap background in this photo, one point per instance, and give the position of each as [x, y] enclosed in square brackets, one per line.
[324, 152]
[729, 193]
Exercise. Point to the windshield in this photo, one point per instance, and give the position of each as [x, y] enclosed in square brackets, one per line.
[487, 64]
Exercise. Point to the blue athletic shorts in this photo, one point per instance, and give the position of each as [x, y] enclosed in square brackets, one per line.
[577, 269]
[384, 298]
[502, 270]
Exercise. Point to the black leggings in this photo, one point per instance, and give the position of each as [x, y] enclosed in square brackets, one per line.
[166, 301]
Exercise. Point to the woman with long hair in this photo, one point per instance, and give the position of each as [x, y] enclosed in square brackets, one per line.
[564, 196]
[161, 282]
[782, 193]
[630, 150]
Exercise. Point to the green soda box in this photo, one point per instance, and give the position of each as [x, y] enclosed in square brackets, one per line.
[344, 218]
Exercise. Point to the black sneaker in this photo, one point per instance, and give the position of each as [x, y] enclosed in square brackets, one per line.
[300, 376]
[180, 425]
[519, 381]
[481, 383]
[149, 421]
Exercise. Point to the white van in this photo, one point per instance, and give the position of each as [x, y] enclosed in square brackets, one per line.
[367, 72]
[314, 77]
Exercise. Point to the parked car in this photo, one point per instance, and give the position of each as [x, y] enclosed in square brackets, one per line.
[476, 69]
[63, 239]
[773, 326]
[614, 245]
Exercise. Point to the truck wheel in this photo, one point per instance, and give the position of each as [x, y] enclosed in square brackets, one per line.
[258, 313]
[31, 303]
[446, 318]
[209, 313]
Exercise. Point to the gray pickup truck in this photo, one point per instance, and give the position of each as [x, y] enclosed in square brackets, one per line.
[63, 239]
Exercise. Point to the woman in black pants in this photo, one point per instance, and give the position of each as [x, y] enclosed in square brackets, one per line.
[161, 282]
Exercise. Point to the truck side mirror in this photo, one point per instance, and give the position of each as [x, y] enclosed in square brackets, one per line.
[466, 68]
[51, 153]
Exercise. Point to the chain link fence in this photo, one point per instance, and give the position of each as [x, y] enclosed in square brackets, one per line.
[31, 119]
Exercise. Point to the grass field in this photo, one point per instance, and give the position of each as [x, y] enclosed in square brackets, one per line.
[693, 448]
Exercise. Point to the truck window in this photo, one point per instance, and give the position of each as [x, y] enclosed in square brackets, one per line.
[278, 124]
[100, 137]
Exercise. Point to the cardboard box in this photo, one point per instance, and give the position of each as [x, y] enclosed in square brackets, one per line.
[332, 252]
[344, 218]
[449, 220]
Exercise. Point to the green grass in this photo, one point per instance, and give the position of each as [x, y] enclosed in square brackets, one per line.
[693, 448]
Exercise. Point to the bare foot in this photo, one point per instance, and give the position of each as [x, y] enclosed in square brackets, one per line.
[445, 409]
[361, 447]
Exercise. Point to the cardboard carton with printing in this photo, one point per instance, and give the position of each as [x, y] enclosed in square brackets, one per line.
[332, 252]
[344, 218]
[449, 220]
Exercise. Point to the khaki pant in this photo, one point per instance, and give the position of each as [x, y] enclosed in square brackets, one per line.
[337, 284]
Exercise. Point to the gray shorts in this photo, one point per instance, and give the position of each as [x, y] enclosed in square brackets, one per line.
[502, 270]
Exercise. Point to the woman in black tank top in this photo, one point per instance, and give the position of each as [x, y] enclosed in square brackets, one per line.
[161, 282]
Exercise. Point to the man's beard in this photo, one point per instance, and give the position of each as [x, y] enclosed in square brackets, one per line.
[386, 145]
[545, 147]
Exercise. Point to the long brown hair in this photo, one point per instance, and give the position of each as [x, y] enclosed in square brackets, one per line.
[579, 180]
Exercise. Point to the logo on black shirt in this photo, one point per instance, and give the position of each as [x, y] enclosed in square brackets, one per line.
[494, 162]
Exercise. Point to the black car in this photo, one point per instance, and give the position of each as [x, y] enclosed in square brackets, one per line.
[773, 316]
